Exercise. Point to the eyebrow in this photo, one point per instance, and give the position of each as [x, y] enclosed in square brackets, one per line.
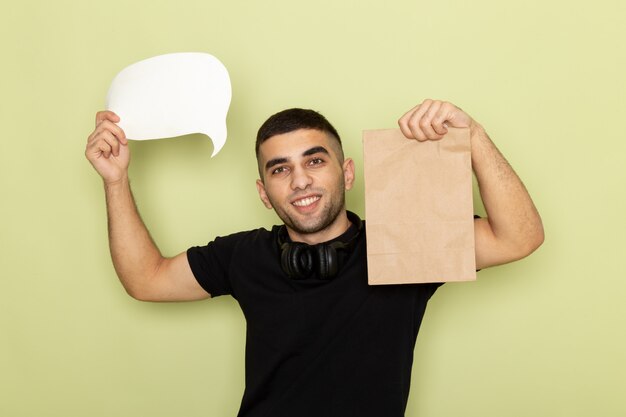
[314, 150]
[274, 162]
[281, 160]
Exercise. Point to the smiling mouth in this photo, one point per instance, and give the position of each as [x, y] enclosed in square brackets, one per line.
[306, 201]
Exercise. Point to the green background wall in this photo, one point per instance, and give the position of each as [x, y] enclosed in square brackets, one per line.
[541, 337]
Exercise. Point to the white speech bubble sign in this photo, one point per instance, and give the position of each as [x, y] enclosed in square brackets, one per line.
[173, 95]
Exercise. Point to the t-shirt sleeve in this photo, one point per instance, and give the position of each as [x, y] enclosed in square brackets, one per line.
[432, 287]
[210, 264]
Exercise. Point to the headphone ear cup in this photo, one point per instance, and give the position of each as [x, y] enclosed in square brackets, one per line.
[296, 260]
[286, 260]
[327, 261]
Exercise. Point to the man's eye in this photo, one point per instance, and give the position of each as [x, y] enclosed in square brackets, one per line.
[316, 161]
[279, 170]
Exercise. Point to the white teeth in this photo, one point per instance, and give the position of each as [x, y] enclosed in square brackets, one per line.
[305, 201]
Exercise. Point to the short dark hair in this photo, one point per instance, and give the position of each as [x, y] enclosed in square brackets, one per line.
[294, 119]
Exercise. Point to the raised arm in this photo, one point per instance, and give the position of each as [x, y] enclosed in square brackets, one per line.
[144, 272]
[513, 228]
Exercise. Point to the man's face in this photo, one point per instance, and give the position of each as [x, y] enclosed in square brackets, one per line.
[305, 183]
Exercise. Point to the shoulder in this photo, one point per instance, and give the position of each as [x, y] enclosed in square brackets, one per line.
[260, 236]
[213, 263]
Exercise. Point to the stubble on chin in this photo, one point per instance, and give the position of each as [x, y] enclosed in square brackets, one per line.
[327, 216]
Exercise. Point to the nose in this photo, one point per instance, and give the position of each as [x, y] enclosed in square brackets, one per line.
[300, 179]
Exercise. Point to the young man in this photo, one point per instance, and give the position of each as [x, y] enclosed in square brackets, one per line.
[320, 341]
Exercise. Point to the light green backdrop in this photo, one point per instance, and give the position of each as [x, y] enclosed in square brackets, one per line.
[544, 337]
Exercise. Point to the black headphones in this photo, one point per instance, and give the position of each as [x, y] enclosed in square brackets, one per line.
[322, 261]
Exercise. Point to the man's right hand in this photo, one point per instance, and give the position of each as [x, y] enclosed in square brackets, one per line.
[107, 148]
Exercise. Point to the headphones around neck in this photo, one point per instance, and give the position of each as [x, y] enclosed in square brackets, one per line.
[322, 261]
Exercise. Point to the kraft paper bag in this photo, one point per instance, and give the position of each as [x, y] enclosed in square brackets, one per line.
[418, 207]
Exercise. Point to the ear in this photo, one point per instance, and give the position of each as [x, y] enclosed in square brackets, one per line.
[260, 187]
[348, 173]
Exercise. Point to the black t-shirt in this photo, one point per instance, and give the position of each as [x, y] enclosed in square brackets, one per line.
[335, 348]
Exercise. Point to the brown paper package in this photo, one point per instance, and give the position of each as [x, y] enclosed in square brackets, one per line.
[418, 208]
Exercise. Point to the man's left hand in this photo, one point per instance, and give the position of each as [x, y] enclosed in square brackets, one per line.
[431, 119]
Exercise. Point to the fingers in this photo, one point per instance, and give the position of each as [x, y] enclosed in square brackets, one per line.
[110, 127]
[109, 144]
[430, 120]
[99, 148]
[106, 115]
[108, 120]
[107, 137]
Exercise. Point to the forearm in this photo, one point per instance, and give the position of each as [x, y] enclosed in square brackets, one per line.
[513, 220]
[135, 256]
